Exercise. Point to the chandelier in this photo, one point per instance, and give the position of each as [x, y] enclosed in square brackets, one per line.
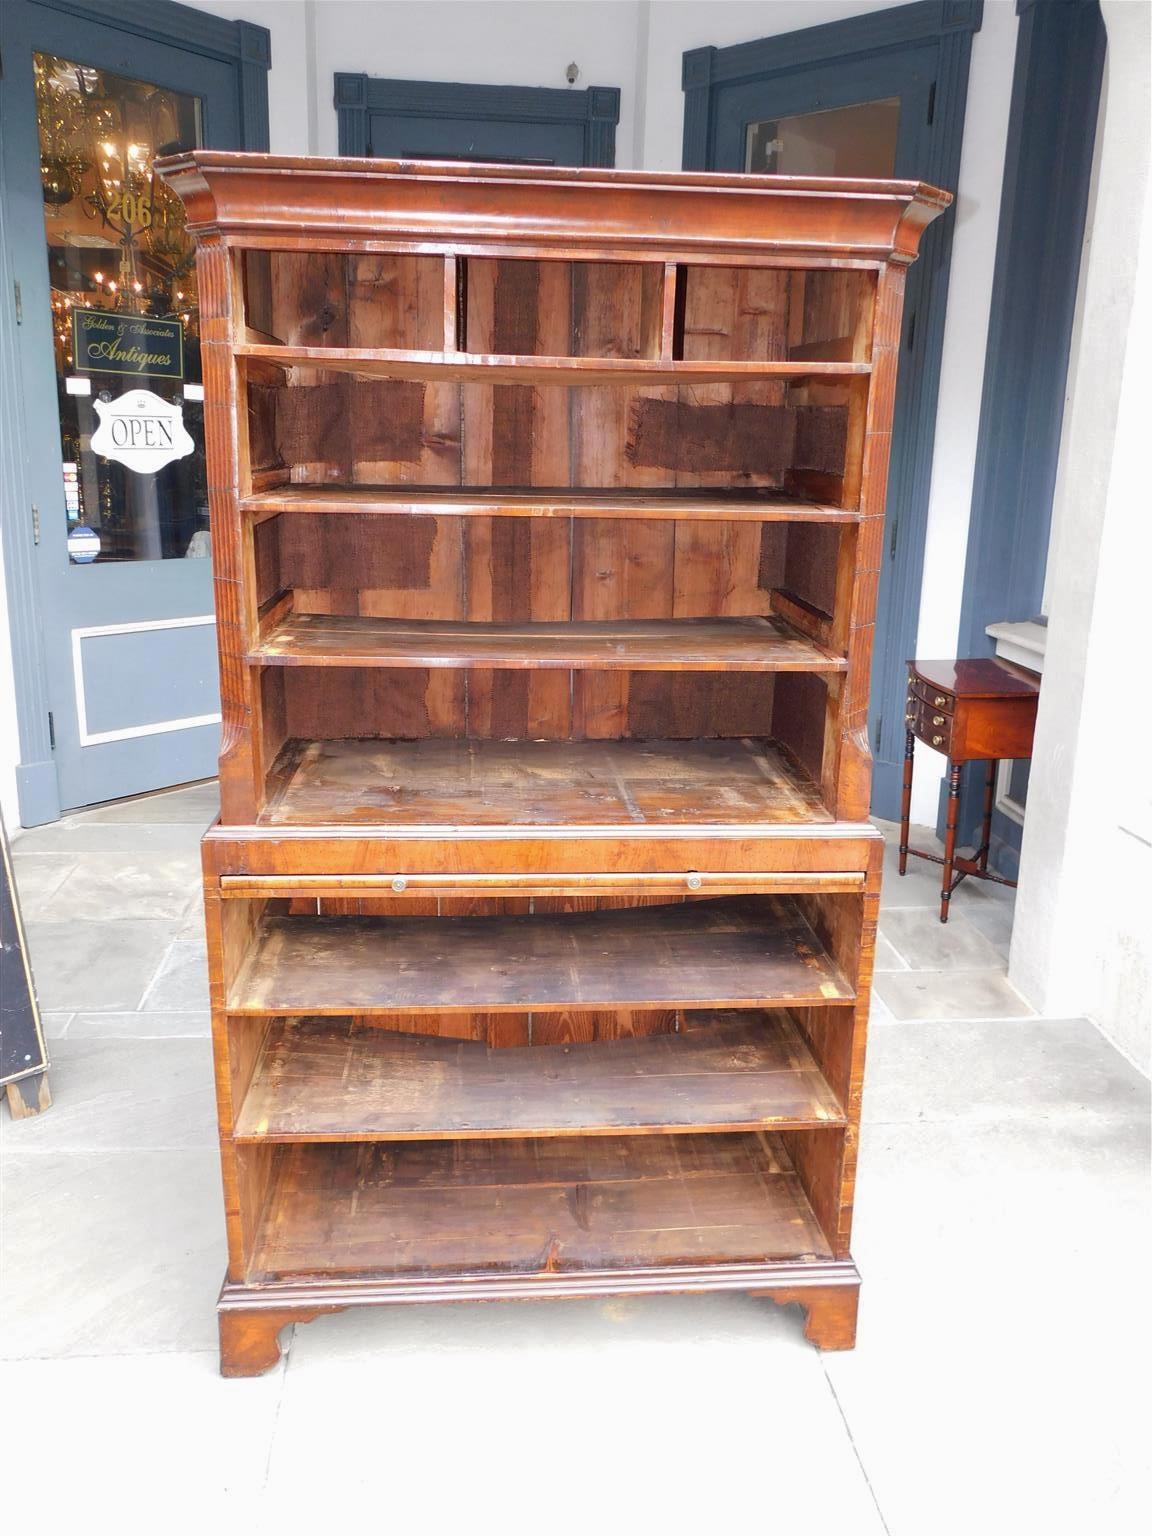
[99, 135]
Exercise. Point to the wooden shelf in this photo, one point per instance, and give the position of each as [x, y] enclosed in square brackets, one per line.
[553, 828]
[338, 1080]
[653, 645]
[498, 368]
[534, 1207]
[431, 782]
[451, 501]
[734, 952]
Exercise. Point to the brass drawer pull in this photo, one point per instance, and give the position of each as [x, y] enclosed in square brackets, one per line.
[936, 740]
[694, 882]
[937, 719]
[940, 698]
[399, 883]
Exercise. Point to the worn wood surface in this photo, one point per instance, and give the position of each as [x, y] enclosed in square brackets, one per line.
[28, 1096]
[830, 1312]
[704, 505]
[465, 367]
[654, 783]
[732, 952]
[536, 1206]
[497, 208]
[837, 852]
[331, 1080]
[767, 644]
[487, 446]
[793, 435]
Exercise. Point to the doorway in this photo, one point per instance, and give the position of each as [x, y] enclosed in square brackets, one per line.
[516, 125]
[880, 95]
[117, 574]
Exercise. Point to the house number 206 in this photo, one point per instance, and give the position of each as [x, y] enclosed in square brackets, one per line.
[132, 208]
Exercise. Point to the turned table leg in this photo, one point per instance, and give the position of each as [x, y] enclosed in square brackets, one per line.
[950, 837]
[989, 801]
[906, 800]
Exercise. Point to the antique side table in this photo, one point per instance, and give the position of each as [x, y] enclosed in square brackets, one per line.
[971, 710]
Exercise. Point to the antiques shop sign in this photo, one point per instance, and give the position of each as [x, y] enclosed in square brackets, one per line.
[110, 343]
[141, 431]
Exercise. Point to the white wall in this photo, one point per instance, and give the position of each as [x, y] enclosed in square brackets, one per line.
[1083, 936]
[500, 42]
[495, 42]
[293, 98]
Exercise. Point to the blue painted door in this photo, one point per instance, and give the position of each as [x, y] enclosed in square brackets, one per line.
[867, 116]
[108, 355]
[475, 138]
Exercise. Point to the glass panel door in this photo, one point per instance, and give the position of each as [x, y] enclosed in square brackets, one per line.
[109, 410]
[124, 313]
[840, 141]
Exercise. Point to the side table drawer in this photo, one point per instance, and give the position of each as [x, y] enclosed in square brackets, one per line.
[935, 698]
[931, 726]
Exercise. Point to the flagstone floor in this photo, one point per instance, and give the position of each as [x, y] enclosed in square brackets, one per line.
[1001, 1227]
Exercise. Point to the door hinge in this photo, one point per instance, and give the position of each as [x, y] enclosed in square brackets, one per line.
[911, 342]
[931, 103]
[35, 525]
[879, 732]
[892, 538]
[51, 731]
[19, 303]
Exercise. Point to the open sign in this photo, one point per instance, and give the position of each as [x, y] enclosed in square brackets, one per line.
[141, 431]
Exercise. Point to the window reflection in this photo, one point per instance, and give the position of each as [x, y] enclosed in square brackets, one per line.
[119, 255]
[842, 141]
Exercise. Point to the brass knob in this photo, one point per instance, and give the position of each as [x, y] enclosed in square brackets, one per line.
[399, 883]
[910, 719]
[936, 740]
[940, 699]
[694, 882]
[937, 719]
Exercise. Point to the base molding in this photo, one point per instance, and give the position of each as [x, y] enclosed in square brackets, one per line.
[37, 793]
[252, 1316]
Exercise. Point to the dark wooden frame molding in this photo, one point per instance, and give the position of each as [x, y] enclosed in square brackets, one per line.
[357, 96]
[950, 24]
[248, 48]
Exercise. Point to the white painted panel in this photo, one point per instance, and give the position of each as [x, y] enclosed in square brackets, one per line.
[92, 672]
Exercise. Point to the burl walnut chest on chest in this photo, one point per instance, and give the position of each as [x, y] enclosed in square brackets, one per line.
[547, 514]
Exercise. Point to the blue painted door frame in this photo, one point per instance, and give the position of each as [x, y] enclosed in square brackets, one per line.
[919, 53]
[432, 119]
[52, 602]
[1043, 211]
